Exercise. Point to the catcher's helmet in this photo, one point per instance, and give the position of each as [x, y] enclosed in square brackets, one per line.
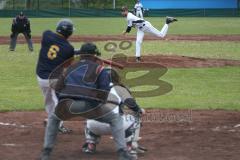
[89, 48]
[65, 27]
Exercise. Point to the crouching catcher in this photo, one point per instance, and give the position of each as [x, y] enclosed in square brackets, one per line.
[83, 90]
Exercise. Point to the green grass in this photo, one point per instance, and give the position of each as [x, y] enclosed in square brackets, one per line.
[192, 88]
[103, 26]
[205, 88]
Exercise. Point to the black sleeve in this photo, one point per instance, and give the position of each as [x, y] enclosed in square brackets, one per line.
[13, 29]
[128, 29]
[28, 27]
[132, 104]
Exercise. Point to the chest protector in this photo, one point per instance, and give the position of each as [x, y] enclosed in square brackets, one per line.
[81, 82]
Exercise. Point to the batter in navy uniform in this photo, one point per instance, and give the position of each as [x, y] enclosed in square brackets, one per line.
[55, 50]
[20, 24]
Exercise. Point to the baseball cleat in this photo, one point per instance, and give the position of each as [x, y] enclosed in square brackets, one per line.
[170, 20]
[142, 148]
[138, 59]
[46, 154]
[125, 155]
[45, 122]
[89, 148]
[64, 130]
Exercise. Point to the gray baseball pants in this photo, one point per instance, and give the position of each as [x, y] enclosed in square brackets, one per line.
[13, 41]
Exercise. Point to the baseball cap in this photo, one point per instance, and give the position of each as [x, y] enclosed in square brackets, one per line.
[89, 48]
[124, 8]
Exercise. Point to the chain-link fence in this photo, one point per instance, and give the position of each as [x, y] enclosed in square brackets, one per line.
[63, 4]
[98, 8]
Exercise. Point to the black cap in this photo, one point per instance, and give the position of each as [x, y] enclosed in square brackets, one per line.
[89, 48]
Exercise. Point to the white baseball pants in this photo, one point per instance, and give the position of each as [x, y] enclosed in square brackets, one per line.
[148, 28]
[139, 14]
[50, 98]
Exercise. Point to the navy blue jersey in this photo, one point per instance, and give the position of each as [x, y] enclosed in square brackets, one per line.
[54, 51]
[86, 80]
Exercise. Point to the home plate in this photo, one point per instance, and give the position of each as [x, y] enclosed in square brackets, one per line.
[10, 145]
[236, 126]
[139, 138]
[12, 124]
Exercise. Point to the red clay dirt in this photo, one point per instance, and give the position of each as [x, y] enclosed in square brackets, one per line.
[168, 135]
[174, 61]
[85, 38]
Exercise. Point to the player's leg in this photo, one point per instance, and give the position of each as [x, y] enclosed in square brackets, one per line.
[51, 132]
[13, 41]
[118, 133]
[50, 101]
[152, 30]
[93, 132]
[137, 14]
[29, 41]
[50, 98]
[132, 131]
[139, 40]
[141, 14]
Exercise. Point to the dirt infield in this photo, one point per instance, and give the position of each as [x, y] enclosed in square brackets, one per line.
[168, 135]
[84, 38]
[174, 61]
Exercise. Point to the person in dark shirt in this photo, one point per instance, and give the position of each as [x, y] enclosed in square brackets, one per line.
[86, 85]
[20, 24]
[55, 50]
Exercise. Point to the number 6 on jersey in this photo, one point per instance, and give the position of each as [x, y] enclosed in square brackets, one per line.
[52, 52]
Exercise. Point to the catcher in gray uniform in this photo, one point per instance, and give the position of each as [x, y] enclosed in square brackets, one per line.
[131, 122]
[83, 90]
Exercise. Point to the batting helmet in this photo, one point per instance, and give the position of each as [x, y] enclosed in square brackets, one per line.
[65, 27]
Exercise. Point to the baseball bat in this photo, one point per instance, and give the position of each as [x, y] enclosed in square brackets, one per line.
[108, 62]
[112, 63]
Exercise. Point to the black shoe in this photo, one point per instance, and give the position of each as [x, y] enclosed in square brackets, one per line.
[46, 154]
[89, 148]
[138, 59]
[45, 122]
[170, 20]
[64, 130]
[125, 155]
[11, 50]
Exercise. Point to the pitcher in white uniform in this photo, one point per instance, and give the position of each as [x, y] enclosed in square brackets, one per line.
[142, 27]
[138, 8]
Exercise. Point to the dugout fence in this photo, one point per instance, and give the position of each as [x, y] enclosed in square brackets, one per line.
[98, 8]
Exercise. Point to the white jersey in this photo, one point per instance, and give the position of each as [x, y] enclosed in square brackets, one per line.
[133, 20]
[138, 6]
